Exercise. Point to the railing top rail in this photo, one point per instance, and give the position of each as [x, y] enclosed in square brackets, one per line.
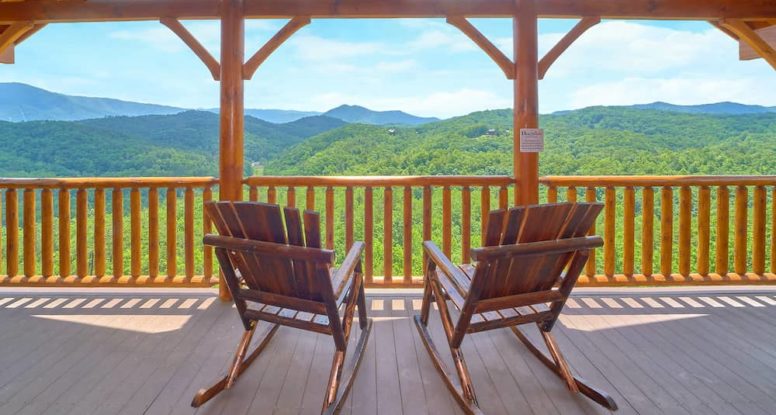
[106, 182]
[379, 181]
[657, 181]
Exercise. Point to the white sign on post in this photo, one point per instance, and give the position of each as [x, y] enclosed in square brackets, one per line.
[531, 140]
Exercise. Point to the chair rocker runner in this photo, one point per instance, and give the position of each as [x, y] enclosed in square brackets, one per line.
[531, 261]
[276, 272]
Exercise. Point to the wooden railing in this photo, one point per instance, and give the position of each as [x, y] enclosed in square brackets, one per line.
[677, 229]
[401, 210]
[117, 238]
[137, 231]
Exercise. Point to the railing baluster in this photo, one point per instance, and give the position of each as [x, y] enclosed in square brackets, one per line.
[291, 197]
[427, 202]
[740, 229]
[207, 254]
[503, 198]
[722, 257]
[484, 211]
[758, 231]
[348, 217]
[666, 231]
[704, 229]
[118, 232]
[685, 226]
[188, 233]
[552, 194]
[134, 230]
[81, 221]
[388, 235]
[609, 231]
[369, 233]
[153, 233]
[447, 221]
[571, 194]
[29, 233]
[407, 235]
[329, 217]
[12, 233]
[628, 224]
[64, 232]
[590, 267]
[47, 233]
[647, 230]
[253, 194]
[272, 195]
[466, 223]
[99, 233]
[172, 225]
[310, 198]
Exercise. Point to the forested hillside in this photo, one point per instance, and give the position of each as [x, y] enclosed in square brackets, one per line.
[591, 141]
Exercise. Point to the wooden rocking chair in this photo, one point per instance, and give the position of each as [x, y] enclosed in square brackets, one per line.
[279, 274]
[531, 260]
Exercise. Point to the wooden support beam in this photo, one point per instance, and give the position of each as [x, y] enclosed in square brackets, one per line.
[177, 27]
[11, 34]
[746, 34]
[117, 10]
[506, 64]
[8, 56]
[526, 90]
[250, 67]
[767, 34]
[557, 50]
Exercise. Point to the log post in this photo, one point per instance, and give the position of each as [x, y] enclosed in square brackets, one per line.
[526, 106]
[232, 106]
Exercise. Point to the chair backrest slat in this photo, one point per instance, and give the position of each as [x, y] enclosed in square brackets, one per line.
[520, 274]
[272, 273]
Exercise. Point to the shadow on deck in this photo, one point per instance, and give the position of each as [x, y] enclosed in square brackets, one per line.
[145, 352]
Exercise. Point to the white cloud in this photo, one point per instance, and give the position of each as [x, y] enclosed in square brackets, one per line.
[318, 49]
[682, 91]
[160, 38]
[442, 39]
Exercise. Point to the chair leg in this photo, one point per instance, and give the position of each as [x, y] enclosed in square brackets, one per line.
[600, 397]
[239, 364]
[362, 319]
[340, 385]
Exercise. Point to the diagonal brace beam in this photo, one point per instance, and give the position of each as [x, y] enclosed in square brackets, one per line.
[553, 54]
[252, 65]
[506, 64]
[212, 64]
[746, 34]
[10, 36]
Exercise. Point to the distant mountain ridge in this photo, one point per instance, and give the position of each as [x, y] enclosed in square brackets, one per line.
[21, 102]
[717, 108]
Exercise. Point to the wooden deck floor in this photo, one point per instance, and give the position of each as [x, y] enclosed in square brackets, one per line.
[141, 352]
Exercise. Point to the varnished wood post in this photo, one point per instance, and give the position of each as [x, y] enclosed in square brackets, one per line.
[590, 266]
[447, 221]
[407, 235]
[647, 230]
[12, 232]
[99, 232]
[466, 223]
[666, 231]
[134, 233]
[609, 230]
[47, 233]
[232, 107]
[740, 231]
[153, 233]
[758, 231]
[29, 233]
[64, 232]
[722, 256]
[629, 203]
[117, 217]
[526, 96]
[704, 228]
[685, 227]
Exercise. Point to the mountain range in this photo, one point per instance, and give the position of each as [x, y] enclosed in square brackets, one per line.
[22, 102]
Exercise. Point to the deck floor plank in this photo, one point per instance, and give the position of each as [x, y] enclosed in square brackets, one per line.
[71, 358]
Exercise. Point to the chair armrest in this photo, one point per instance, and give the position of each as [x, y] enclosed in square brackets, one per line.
[459, 279]
[345, 272]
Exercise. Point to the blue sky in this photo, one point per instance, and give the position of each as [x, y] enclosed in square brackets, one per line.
[421, 66]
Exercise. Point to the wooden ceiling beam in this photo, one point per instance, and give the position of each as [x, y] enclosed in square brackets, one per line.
[212, 64]
[746, 34]
[553, 54]
[252, 65]
[503, 62]
[8, 56]
[117, 10]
